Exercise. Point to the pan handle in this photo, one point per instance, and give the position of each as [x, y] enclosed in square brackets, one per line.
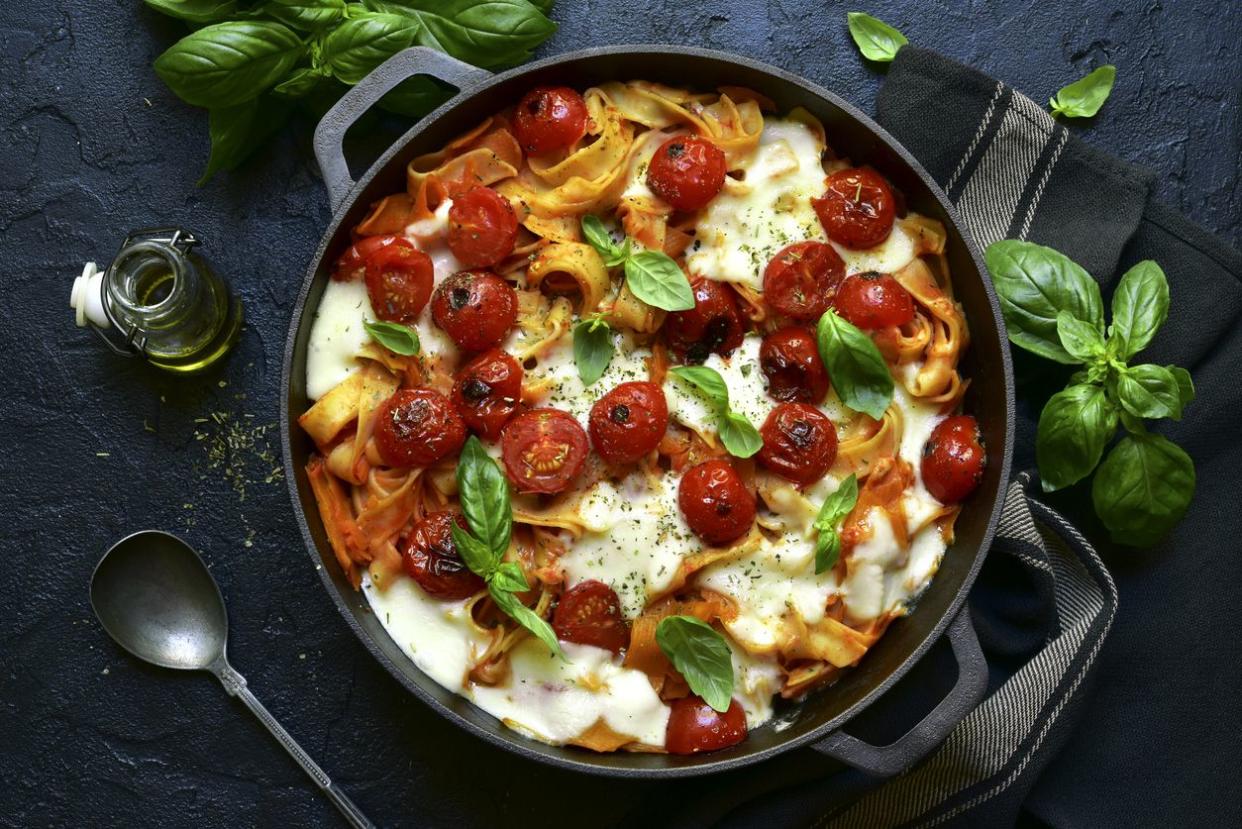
[885, 761]
[329, 135]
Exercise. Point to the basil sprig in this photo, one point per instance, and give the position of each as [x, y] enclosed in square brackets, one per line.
[858, 371]
[833, 511]
[484, 495]
[876, 39]
[738, 434]
[651, 275]
[1083, 98]
[1053, 308]
[399, 339]
[593, 348]
[702, 657]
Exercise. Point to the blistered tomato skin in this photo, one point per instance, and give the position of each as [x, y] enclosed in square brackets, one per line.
[543, 450]
[873, 300]
[399, 278]
[431, 559]
[857, 208]
[687, 171]
[549, 118]
[953, 459]
[716, 503]
[713, 325]
[487, 392]
[799, 443]
[352, 264]
[790, 362]
[475, 308]
[589, 613]
[694, 726]
[628, 422]
[800, 280]
[482, 228]
[417, 427]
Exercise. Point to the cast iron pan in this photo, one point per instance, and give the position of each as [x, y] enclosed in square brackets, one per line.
[816, 721]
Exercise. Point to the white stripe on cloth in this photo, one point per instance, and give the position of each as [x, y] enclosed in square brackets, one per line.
[974, 142]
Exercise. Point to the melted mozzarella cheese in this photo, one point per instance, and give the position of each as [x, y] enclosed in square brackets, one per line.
[883, 577]
[756, 681]
[747, 389]
[557, 372]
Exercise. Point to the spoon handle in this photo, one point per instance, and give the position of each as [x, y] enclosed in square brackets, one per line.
[235, 684]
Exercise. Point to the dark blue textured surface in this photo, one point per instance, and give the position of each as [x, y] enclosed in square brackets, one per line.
[92, 145]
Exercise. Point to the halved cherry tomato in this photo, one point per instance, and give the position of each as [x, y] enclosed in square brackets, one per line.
[549, 118]
[417, 427]
[543, 450]
[432, 560]
[799, 443]
[487, 392]
[789, 359]
[687, 171]
[800, 280]
[629, 422]
[589, 613]
[953, 459]
[714, 324]
[482, 228]
[475, 308]
[352, 264]
[873, 300]
[716, 503]
[695, 726]
[399, 280]
[857, 209]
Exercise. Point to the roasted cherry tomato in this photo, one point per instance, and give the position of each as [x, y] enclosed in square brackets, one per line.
[432, 560]
[713, 324]
[482, 228]
[687, 171]
[589, 613]
[953, 459]
[543, 450]
[353, 262]
[549, 118]
[417, 427]
[629, 422]
[800, 280]
[716, 503]
[695, 726]
[790, 361]
[475, 308]
[857, 209]
[873, 300]
[799, 443]
[399, 280]
[487, 392]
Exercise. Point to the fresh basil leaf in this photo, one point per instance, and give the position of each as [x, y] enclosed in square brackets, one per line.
[484, 495]
[831, 513]
[858, 371]
[706, 380]
[1140, 307]
[1185, 385]
[525, 617]
[1074, 427]
[473, 552]
[827, 551]
[658, 281]
[307, 15]
[1034, 284]
[740, 437]
[593, 349]
[486, 34]
[236, 132]
[398, 339]
[302, 82]
[1083, 98]
[598, 237]
[227, 64]
[1081, 340]
[1143, 488]
[417, 96]
[875, 39]
[702, 657]
[195, 11]
[1150, 391]
[353, 49]
[509, 577]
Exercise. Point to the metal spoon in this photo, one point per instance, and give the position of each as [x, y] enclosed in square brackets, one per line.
[156, 598]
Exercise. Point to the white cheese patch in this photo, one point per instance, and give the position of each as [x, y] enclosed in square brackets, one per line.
[884, 577]
[557, 370]
[748, 393]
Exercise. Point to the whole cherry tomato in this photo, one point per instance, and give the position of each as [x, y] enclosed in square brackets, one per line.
[399, 280]
[687, 171]
[628, 422]
[352, 264]
[800, 280]
[589, 613]
[549, 118]
[543, 450]
[789, 359]
[716, 503]
[714, 324]
[475, 308]
[487, 392]
[417, 427]
[695, 726]
[799, 443]
[482, 228]
[857, 209]
[953, 459]
[873, 300]
[432, 560]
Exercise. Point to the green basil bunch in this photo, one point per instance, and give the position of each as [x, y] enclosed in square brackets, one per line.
[251, 63]
[1053, 308]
